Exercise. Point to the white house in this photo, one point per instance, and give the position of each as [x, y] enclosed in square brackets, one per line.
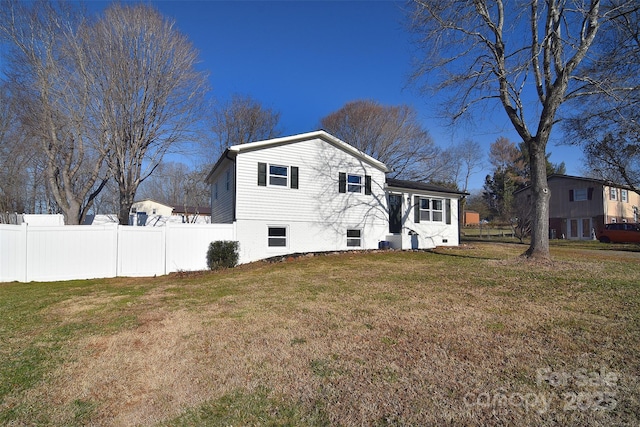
[313, 192]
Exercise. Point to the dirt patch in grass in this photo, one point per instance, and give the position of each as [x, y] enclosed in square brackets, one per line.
[461, 337]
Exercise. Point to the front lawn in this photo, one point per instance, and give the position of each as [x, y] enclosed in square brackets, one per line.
[459, 336]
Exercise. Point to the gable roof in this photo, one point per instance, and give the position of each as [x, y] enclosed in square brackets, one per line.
[152, 201]
[421, 186]
[234, 150]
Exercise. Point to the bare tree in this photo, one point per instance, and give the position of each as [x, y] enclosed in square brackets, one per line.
[241, 120]
[45, 77]
[608, 128]
[391, 134]
[14, 158]
[150, 91]
[513, 53]
[467, 158]
[176, 184]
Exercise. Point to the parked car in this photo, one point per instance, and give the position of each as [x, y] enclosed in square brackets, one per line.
[621, 232]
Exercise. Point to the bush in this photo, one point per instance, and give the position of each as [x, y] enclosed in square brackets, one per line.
[222, 254]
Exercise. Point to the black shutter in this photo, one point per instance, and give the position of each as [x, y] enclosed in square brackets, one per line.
[448, 212]
[294, 177]
[367, 184]
[416, 209]
[571, 195]
[342, 182]
[590, 193]
[262, 174]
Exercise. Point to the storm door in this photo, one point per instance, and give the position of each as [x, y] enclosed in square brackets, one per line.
[395, 213]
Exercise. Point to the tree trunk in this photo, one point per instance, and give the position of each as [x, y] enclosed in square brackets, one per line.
[539, 247]
[126, 200]
[71, 212]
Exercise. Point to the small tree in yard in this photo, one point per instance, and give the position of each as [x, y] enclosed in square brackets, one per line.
[222, 254]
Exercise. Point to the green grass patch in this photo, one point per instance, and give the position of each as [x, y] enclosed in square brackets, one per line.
[392, 337]
[257, 408]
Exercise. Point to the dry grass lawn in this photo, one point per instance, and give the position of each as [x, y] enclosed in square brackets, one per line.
[461, 336]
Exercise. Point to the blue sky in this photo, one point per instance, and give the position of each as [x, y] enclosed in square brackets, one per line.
[307, 59]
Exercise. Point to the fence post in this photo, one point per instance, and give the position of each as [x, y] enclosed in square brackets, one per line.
[25, 254]
[164, 249]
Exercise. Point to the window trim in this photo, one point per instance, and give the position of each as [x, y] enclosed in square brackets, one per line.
[578, 195]
[354, 239]
[427, 214]
[270, 237]
[265, 175]
[364, 183]
[271, 175]
[613, 193]
[355, 187]
[624, 195]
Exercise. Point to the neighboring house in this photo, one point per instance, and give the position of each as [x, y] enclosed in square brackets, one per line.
[580, 207]
[313, 192]
[141, 211]
[151, 213]
[151, 207]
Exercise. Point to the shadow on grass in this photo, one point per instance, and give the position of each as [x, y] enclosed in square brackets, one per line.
[461, 252]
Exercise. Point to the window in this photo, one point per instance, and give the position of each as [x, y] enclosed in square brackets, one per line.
[580, 194]
[277, 237]
[436, 210]
[277, 175]
[228, 180]
[354, 238]
[425, 210]
[431, 210]
[354, 183]
[134, 210]
[624, 195]
[613, 193]
[351, 183]
[153, 211]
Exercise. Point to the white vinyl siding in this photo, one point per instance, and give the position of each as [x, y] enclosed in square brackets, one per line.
[319, 165]
[221, 200]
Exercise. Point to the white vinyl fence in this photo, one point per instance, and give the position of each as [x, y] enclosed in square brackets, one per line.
[51, 253]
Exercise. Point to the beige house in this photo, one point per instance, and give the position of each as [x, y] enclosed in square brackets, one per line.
[151, 207]
[150, 212]
[579, 207]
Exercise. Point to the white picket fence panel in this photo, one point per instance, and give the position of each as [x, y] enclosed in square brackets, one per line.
[53, 253]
